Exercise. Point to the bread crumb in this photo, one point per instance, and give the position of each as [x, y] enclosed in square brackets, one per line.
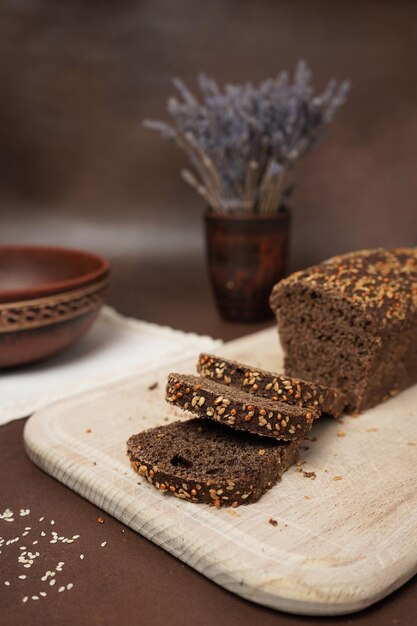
[306, 497]
[100, 520]
[311, 475]
[337, 477]
[154, 385]
[298, 465]
[411, 443]
[273, 522]
[341, 433]
[88, 430]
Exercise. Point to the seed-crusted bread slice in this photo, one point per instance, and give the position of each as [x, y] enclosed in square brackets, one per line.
[351, 323]
[229, 405]
[270, 385]
[201, 461]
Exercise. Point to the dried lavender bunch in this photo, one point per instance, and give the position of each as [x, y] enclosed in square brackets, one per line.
[243, 140]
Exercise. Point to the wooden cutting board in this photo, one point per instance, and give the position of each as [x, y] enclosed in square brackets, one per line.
[346, 535]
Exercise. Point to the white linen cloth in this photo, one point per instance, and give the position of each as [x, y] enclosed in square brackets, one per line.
[115, 347]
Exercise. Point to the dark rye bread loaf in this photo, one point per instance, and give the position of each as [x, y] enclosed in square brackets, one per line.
[201, 461]
[351, 323]
[274, 386]
[207, 398]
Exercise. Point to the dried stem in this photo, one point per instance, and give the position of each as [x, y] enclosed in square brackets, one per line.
[243, 140]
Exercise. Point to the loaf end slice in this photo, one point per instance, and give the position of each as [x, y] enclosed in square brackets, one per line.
[204, 397]
[277, 387]
[204, 462]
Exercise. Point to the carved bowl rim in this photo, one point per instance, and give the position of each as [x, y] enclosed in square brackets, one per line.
[85, 268]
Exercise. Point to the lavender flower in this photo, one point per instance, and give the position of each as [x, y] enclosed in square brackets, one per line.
[242, 140]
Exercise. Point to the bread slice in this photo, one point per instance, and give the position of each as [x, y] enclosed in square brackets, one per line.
[274, 386]
[207, 398]
[201, 461]
[351, 323]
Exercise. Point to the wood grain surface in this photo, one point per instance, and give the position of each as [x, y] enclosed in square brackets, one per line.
[346, 533]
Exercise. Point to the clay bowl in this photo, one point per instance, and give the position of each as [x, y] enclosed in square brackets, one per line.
[49, 298]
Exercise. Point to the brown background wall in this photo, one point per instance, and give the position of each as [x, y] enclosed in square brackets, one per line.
[77, 168]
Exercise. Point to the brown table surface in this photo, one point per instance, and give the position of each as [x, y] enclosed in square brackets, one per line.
[130, 580]
[78, 169]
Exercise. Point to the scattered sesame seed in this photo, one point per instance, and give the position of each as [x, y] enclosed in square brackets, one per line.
[81, 556]
[22, 576]
[35, 597]
[52, 582]
[52, 522]
[7, 583]
[25, 599]
[337, 478]
[42, 518]
[42, 593]
[341, 433]
[69, 586]
[61, 589]
[104, 544]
